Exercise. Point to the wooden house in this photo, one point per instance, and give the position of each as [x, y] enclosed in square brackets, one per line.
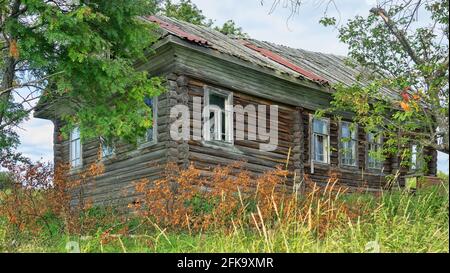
[203, 64]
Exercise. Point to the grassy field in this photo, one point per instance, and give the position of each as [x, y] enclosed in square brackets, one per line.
[397, 222]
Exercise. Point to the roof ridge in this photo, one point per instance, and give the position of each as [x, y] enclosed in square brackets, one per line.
[241, 38]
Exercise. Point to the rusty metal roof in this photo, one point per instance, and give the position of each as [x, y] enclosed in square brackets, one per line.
[277, 58]
[316, 67]
[173, 29]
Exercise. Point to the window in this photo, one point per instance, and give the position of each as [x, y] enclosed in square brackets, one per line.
[151, 134]
[374, 150]
[349, 144]
[75, 148]
[219, 105]
[107, 150]
[416, 163]
[320, 140]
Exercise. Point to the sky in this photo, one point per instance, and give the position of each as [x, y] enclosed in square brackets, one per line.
[301, 30]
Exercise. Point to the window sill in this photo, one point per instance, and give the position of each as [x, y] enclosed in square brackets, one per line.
[75, 170]
[320, 164]
[349, 167]
[219, 145]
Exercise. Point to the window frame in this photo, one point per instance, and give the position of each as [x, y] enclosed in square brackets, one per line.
[355, 139]
[312, 140]
[229, 117]
[104, 147]
[144, 143]
[380, 145]
[71, 152]
[418, 165]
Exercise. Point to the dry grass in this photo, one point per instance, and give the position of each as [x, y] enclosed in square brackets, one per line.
[225, 210]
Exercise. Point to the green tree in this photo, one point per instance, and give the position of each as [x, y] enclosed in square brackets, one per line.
[81, 54]
[403, 47]
[187, 11]
[230, 28]
[184, 10]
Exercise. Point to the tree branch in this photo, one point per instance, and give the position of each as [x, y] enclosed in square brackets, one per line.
[29, 83]
[398, 34]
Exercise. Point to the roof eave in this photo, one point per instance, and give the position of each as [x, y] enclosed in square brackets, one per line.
[301, 81]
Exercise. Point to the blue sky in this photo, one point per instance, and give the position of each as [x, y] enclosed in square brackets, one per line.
[301, 31]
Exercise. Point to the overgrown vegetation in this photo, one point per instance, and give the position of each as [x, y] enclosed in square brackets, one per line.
[402, 94]
[225, 210]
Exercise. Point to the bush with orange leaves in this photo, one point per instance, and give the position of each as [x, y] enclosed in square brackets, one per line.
[225, 199]
[38, 201]
[229, 197]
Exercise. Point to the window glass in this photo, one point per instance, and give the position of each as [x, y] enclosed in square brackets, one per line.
[107, 151]
[349, 144]
[75, 148]
[374, 151]
[150, 135]
[320, 140]
[219, 118]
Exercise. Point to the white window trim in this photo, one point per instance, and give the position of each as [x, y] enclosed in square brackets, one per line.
[340, 143]
[312, 151]
[229, 126]
[145, 143]
[368, 152]
[71, 140]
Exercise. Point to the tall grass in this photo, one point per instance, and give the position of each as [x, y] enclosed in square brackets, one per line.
[229, 210]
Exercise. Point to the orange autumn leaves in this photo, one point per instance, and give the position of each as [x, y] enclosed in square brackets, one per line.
[230, 198]
[409, 99]
[14, 49]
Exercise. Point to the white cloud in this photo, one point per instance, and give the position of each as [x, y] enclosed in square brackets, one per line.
[36, 137]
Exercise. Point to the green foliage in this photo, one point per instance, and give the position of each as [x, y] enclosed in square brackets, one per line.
[327, 21]
[405, 95]
[186, 11]
[444, 177]
[5, 181]
[200, 204]
[410, 59]
[88, 49]
[230, 28]
[50, 224]
[81, 56]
